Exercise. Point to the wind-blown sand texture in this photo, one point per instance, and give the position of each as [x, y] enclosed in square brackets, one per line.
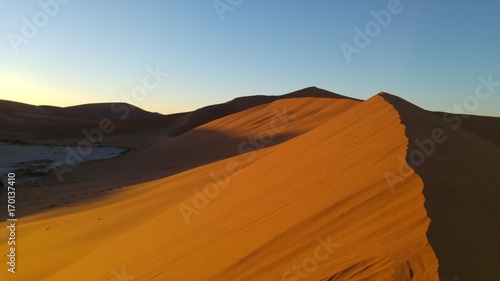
[310, 201]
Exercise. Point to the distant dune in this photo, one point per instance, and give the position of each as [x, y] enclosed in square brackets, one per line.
[23, 121]
[306, 186]
[31, 123]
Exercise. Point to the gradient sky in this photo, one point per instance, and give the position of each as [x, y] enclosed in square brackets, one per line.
[431, 53]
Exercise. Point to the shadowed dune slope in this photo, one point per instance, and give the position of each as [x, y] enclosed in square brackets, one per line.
[483, 126]
[461, 175]
[316, 206]
[161, 156]
[39, 123]
[20, 121]
[213, 112]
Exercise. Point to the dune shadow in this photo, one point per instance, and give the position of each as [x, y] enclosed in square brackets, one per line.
[166, 157]
[461, 176]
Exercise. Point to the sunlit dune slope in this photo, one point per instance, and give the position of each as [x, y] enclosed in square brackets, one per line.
[158, 157]
[258, 127]
[317, 206]
[210, 113]
[51, 124]
[461, 174]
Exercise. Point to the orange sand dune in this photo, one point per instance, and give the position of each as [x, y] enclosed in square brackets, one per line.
[316, 206]
[294, 188]
[213, 112]
[158, 156]
[43, 124]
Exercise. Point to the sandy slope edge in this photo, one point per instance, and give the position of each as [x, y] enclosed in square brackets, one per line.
[325, 186]
[461, 174]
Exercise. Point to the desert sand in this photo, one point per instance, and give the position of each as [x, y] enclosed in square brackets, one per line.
[308, 186]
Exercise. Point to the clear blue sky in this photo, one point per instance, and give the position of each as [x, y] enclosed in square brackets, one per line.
[431, 53]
